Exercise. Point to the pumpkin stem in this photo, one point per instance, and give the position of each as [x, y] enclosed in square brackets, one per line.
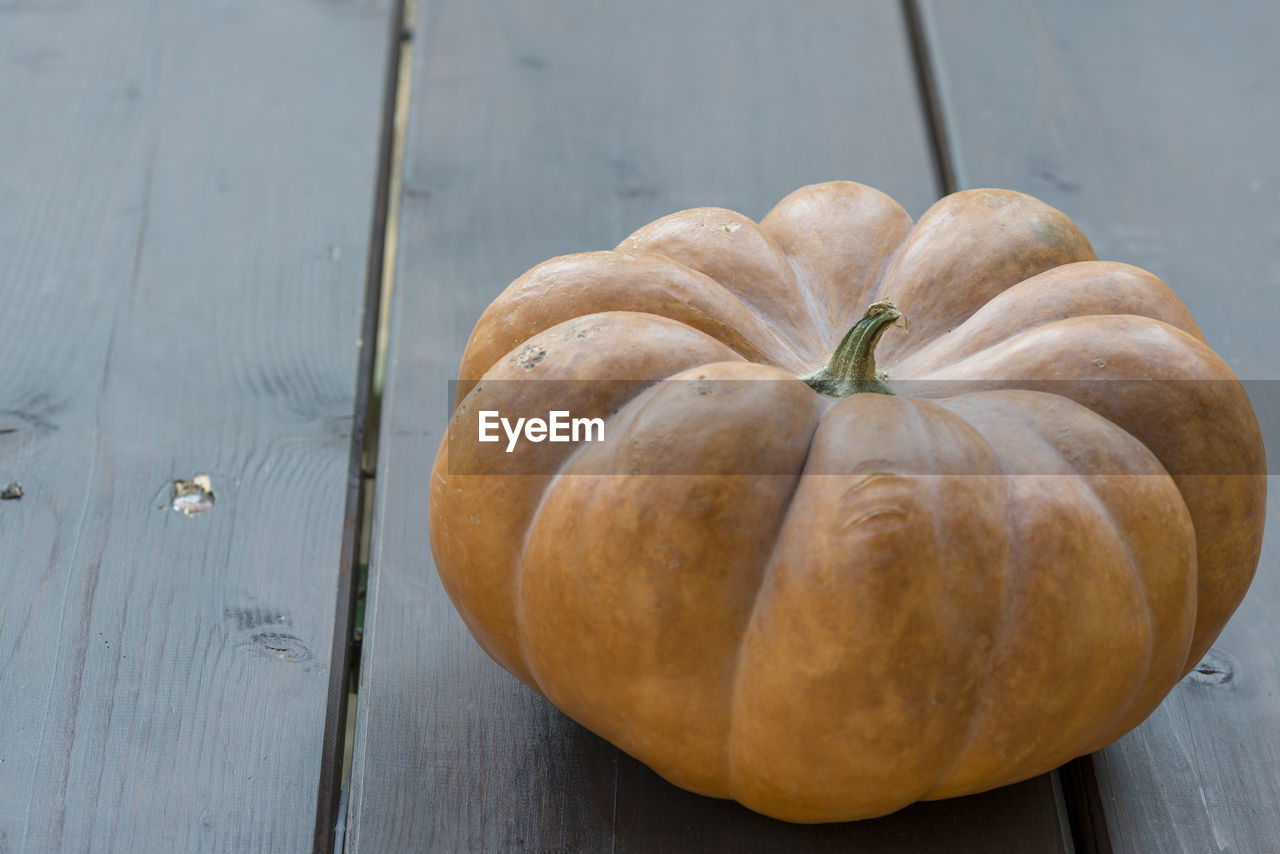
[852, 367]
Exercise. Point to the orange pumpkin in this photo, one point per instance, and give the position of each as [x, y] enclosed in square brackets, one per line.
[925, 594]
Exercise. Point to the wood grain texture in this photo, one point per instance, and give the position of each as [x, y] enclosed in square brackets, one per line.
[185, 205]
[537, 132]
[1153, 125]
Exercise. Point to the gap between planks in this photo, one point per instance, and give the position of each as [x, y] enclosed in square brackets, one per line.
[930, 99]
[335, 761]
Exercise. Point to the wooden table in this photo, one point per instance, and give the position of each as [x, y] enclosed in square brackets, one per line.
[198, 203]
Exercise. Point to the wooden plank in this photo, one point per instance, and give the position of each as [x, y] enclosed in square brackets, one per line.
[654, 816]
[540, 132]
[185, 206]
[1153, 125]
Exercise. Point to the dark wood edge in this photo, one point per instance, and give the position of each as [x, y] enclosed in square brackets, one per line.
[341, 656]
[927, 81]
[1084, 807]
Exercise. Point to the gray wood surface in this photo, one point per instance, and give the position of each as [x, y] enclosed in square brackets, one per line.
[547, 129]
[185, 203]
[1153, 124]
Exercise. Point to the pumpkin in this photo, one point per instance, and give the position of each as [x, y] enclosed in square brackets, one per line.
[828, 596]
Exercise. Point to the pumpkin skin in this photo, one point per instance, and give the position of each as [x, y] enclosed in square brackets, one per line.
[975, 589]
